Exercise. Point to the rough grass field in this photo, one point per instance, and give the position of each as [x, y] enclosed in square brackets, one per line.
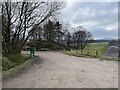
[90, 51]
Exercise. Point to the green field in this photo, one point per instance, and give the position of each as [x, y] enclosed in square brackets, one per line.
[97, 45]
[90, 51]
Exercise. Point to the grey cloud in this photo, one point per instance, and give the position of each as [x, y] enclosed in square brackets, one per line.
[95, 14]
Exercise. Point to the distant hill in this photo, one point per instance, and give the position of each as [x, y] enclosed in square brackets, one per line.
[103, 40]
[107, 39]
[100, 40]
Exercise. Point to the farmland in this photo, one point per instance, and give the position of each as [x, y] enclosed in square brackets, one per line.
[93, 50]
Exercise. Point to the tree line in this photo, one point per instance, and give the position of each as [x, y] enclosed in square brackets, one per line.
[21, 19]
[55, 35]
[26, 22]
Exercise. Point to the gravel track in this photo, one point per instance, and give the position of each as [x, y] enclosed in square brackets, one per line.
[58, 70]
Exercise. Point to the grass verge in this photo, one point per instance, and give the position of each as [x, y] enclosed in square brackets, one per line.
[12, 61]
[90, 52]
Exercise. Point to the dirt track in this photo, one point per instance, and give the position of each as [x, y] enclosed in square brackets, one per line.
[63, 71]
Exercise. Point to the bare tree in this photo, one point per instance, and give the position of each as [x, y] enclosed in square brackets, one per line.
[68, 39]
[21, 19]
[58, 32]
[81, 37]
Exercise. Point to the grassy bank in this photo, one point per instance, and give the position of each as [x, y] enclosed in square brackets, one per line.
[90, 51]
[11, 61]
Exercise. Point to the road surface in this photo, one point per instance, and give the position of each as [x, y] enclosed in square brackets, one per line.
[56, 70]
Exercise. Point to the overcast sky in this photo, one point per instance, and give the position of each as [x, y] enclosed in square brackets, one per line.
[100, 18]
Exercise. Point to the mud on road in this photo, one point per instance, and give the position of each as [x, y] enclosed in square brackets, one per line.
[62, 71]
